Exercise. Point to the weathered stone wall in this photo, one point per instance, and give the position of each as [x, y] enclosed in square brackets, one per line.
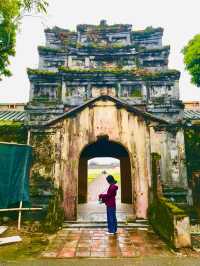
[59, 152]
[42, 173]
[74, 133]
[171, 147]
[171, 222]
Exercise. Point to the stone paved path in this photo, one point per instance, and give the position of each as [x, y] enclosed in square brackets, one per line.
[95, 243]
[96, 212]
[73, 243]
[93, 211]
[100, 185]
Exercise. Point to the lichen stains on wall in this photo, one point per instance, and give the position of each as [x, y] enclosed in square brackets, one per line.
[170, 145]
[58, 153]
[43, 154]
[42, 172]
[119, 126]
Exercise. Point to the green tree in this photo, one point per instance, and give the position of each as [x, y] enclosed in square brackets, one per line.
[11, 13]
[191, 54]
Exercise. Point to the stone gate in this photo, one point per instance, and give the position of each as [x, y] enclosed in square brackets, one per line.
[105, 90]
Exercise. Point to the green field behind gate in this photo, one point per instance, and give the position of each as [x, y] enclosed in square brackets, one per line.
[94, 173]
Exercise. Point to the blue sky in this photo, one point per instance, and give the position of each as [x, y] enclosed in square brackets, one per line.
[180, 20]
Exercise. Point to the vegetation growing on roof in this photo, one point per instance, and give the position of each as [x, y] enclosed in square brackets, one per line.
[170, 73]
[40, 72]
[49, 49]
[58, 30]
[155, 49]
[92, 46]
[146, 32]
[143, 73]
[103, 27]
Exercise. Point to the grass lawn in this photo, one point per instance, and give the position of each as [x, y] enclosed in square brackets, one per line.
[94, 173]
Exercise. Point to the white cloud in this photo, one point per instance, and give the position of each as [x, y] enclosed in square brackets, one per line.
[179, 18]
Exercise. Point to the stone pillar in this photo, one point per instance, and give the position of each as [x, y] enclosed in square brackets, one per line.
[176, 164]
[63, 91]
[144, 92]
[89, 91]
[128, 39]
[70, 185]
[175, 90]
[70, 61]
[87, 62]
[119, 89]
[156, 181]
[181, 158]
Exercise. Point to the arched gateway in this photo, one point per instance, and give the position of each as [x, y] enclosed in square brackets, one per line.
[103, 126]
[105, 148]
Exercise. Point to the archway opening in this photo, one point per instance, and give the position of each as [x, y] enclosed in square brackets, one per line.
[90, 182]
[98, 169]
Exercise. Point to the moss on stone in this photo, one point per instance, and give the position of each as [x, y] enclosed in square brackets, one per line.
[14, 132]
[106, 48]
[31, 246]
[140, 34]
[171, 207]
[161, 215]
[41, 180]
[55, 213]
[143, 73]
[40, 72]
[43, 153]
[136, 93]
[154, 49]
[155, 156]
[47, 49]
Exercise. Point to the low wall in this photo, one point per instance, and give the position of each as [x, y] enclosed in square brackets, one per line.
[170, 222]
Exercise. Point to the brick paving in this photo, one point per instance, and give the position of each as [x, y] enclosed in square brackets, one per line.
[84, 243]
[95, 243]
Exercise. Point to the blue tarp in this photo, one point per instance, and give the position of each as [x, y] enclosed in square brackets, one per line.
[15, 162]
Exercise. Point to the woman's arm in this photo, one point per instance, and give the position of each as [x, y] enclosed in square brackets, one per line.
[111, 192]
[103, 197]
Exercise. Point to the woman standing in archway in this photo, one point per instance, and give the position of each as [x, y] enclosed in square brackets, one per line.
[110, 200]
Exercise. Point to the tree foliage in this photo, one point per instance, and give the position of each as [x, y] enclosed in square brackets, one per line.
[191, 54]
[192, 145]
[11, 12]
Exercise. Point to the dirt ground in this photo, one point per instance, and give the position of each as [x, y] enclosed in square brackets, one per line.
[31, 246]
[147, 261]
